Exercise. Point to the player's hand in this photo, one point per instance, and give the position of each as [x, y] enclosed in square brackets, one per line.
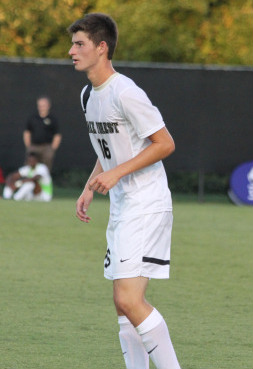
[103, 182]
[82, 205]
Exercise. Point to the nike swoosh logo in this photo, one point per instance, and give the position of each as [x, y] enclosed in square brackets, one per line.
[149, 352]
[122, 261]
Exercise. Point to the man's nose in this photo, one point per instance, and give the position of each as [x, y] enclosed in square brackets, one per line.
[71, 50]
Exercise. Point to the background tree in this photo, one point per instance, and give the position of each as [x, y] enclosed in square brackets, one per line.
[38, 28]
[189, 31]
[199, 31]
[225, 33]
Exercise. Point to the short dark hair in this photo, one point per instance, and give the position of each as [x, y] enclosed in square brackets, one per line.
[32, 154]
[99, 27]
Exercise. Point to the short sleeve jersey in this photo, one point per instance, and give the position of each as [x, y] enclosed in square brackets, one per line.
[120, 118]
[41, 170]
[42, 129]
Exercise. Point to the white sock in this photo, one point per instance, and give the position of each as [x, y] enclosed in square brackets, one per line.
[25, 192]
[7, 193]
[133, 350]
[156, 339]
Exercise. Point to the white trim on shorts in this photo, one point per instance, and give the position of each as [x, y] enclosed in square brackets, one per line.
[139, 246]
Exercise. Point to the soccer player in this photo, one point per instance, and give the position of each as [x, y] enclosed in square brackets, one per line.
[130, 139]
[30, 182]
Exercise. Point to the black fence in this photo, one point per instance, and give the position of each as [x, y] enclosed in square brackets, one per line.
[208, 110]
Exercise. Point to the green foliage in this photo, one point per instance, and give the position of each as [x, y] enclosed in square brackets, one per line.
[75, 178]
[38, 28]
[198, 31]
[154, 30]
[189, 31]
[179, 182]
[226, 34]
[184, 182]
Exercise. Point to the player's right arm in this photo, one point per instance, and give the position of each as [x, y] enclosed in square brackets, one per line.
[86, 196]
[12, 178]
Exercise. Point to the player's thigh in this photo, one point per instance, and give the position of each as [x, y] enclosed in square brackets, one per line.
[130, 288]
[129, 299]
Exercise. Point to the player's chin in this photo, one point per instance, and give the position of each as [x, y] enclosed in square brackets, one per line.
[79, 67]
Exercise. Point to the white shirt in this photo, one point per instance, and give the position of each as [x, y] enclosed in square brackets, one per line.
[120, 117]
[40, 169]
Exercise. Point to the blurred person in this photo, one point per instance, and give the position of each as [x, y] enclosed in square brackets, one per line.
[42, 134]
[30, 182]
[130, 139]
[2, 180]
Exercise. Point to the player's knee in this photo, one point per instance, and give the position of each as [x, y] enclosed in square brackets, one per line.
[124, 303]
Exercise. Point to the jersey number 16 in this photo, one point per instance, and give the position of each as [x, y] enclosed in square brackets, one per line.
[105, 149]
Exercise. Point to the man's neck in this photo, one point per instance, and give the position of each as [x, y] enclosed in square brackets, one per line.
[99, 75]
[43, 115]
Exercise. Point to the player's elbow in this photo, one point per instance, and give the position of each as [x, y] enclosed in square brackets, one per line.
[172, 147]
[169, 148]
[164, 143]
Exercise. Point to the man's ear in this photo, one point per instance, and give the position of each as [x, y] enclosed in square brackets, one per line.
[103, 48]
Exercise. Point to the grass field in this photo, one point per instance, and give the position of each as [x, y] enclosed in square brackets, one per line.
[56, 309]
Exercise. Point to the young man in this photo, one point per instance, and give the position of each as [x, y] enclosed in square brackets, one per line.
[30, 182]
[130, 140]
[42, 134]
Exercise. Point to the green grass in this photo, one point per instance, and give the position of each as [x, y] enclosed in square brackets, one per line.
[56, 309]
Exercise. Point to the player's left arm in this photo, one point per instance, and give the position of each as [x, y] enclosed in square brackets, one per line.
[162, 145]
[34, 179]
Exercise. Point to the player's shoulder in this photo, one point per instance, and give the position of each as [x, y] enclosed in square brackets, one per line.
[126, 88]
[24, 168]
[40, 167]
[123, 82]
[129, 91]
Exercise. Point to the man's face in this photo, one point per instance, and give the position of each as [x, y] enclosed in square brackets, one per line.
[32, 161]
[43, 106]
[84, 53]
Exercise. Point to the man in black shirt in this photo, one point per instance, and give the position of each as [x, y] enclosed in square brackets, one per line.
[42, 133]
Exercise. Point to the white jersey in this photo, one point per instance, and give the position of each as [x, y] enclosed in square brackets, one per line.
[40, 169]
[120, 117]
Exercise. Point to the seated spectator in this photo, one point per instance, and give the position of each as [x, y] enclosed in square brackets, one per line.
[30, 182]
[2, 180]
